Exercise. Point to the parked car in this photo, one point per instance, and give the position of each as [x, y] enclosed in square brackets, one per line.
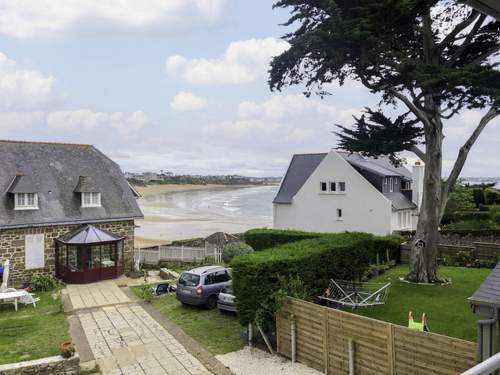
[201, 286]
[226, 300]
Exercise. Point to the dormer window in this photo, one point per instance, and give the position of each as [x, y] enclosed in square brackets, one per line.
[91, 199]
[26, 201]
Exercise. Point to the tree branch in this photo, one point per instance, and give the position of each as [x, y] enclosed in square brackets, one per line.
[464, 151]
[420, 154]
[411, 106]
[450, 38]
[483, 56]
[467, 40]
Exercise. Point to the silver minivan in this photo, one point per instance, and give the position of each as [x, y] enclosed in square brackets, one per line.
[201, 286]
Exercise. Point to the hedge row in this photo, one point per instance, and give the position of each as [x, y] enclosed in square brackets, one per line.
[386, 244]
[261, 239]
[256, 276]
[460, 232]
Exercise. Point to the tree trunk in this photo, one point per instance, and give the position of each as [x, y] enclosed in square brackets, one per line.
[423, 259]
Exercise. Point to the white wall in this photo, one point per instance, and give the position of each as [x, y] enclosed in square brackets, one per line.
[364, 208]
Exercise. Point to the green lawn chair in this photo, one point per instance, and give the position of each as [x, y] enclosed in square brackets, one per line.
[418, 326]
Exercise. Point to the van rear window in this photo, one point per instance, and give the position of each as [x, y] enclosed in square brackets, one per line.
[189, 279]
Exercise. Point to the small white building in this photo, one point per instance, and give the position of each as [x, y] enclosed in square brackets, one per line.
[341, 191]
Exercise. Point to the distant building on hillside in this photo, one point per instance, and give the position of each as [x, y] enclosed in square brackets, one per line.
[341, 191]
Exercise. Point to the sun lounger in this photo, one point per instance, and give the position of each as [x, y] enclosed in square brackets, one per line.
[14, 297]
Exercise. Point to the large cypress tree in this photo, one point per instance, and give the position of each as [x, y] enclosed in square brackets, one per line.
[429, 59]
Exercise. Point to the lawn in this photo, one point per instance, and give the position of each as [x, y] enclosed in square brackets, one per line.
[218, 333]
[446, 306]
[32, 333]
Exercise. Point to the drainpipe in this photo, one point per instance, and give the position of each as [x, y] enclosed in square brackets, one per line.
[485, 334]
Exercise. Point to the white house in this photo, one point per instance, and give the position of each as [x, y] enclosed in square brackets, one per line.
[341, 191]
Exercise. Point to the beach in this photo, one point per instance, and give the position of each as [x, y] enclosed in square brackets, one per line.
[173, 212]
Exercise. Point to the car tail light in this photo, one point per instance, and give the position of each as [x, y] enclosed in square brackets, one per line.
[199, 290]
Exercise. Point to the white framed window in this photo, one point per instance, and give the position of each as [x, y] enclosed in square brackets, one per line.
[91, 199]
[341, 186]
[404, 219]
[26, 201]
[323, 186]
[339, 214]
[333, 186]
[391, 184]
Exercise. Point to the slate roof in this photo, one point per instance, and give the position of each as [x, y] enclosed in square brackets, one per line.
[489, 291]
[303, 165]
[86, 184]
[300, 168]
[22, 184]
[87, 235]
[399, 201]
[53, 171]
[381, 166]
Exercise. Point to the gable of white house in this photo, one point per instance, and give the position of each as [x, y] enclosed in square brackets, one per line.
[362, 206]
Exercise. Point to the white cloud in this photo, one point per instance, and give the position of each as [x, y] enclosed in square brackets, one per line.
[55, 18]
[187, 102]
[87, 120]
[22, 88]
[283, 124]
[242, 62]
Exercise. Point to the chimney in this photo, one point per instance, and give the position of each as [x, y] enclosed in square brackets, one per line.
[417, 183]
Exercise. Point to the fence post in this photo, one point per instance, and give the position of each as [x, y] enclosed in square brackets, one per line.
[326, 338]
[292, 338]
[391, 360]
[351, 356]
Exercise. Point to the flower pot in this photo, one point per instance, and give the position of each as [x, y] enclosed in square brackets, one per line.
[67, 349]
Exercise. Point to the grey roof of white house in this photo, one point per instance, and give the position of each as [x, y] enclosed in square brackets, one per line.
[381, 165]
[303, 165]
[489, 291]
[399, 201]
[53, 171]
[300, 168]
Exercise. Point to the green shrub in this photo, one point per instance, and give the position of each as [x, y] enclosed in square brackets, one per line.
[386, 245]
[491, 196]
[256, 276]
[496, 217]
[43, 282]
[470, 215]
[234, 249]
[472, 227]
[478, 195]
[260, 239]
[144, 292]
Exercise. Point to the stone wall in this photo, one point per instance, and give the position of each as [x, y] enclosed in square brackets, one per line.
[12, 246]
[45, 366]
[466, 239]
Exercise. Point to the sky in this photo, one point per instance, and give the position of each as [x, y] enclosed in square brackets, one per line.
[177, 85]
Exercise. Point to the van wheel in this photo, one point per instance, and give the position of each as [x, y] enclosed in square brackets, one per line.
[212, 302]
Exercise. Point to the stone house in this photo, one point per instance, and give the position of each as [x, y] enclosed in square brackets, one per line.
[65, 210]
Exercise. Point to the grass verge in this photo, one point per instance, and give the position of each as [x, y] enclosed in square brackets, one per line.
[32, 333]
[218, 333]
[446, 306]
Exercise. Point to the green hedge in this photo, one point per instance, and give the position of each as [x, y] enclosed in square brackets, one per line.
[315, 261]
[261, 239]
[470, 215]
[382, 244]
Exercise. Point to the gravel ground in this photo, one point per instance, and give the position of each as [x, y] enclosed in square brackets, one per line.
[251, 361]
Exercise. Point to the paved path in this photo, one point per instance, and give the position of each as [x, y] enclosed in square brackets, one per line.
[124, 338]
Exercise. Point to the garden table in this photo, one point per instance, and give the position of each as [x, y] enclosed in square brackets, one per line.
[14, 297]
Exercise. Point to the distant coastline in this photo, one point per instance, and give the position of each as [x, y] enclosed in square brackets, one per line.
[180, 211]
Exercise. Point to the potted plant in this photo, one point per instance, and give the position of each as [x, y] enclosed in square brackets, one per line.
[67, 349]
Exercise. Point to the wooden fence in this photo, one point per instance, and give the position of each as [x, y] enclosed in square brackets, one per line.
[480, 250]
[177, 253]
[331, 340]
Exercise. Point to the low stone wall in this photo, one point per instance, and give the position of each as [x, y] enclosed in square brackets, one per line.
[467, 239]
[44, 366]
[484, 251]
[12, 243]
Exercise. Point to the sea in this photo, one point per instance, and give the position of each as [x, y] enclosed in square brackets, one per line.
[198, 213]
